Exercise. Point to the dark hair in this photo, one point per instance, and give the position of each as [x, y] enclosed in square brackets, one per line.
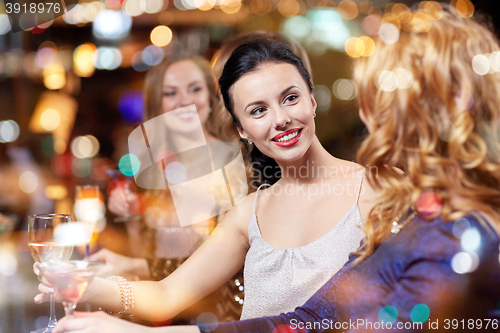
[248, 58]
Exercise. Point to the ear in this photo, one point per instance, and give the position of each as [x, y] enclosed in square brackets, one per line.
[242, 133]
[363, 118]
[313, 102]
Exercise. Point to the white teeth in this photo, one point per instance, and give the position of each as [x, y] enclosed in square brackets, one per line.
[186, 115]
[288, 137]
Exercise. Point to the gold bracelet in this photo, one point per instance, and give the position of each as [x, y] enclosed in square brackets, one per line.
[126, 294]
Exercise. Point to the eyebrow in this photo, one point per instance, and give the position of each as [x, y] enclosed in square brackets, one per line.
[281, 93]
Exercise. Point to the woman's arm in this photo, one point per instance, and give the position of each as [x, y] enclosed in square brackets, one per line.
[215, 262]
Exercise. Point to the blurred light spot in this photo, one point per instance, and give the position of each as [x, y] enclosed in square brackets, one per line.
[131, 106]
[111, 24]
[344, 89]
[323, 97]
[388, 314]
[283, 328]
[429, 203]
[328, 30]
[422, 22]
[81, 147]
[8, 264]
[56, 192]
[298, 27]
[420, 313]
[347, 9]
[54, 76]
[81, 167]
[28, 182]
[207, 318]
[152, 55]
[134, 7]
[288, 8]
[60, 146]
[73, 234]
[494, 64]
[386, 80]
[434, 10]
[153, 6]
[41, 322]
[390, 18]
[389, 33]
[4, 24]
[231, 6]
[137, 62]
[101, 168]
[50, 119]
[129, 164]
[371, 24]
[114, 4]
[481, 64]
[405, 78]
[471, 240]
[161, 35]
[83, 60]
[354, 47]
[176, 173]
[464, 262]
[401, 11]
[9, 131]
[369, 46]
[462, 8]
[459, 226]
[45, 57]
[107, 58]
[167, 157]
[204, 5]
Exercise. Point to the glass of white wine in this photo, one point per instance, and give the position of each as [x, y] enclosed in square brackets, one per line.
[47, 248]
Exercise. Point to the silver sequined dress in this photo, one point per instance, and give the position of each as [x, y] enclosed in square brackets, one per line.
[279, 280]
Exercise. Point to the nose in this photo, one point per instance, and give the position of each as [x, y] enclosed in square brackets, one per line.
[185, 99]
[281, 118]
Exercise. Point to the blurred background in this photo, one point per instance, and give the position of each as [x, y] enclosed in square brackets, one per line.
[71, 92]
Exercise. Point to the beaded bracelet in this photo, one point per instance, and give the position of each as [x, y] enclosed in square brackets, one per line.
[126, 293]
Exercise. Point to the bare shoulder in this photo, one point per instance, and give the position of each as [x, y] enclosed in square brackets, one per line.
[239, 216]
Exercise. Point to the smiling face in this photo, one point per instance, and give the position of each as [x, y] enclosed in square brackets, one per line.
[184, 84]
[275, 109]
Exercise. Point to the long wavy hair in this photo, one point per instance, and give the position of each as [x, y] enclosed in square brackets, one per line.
[442, 131]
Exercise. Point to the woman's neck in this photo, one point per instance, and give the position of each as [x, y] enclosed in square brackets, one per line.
[303, 170]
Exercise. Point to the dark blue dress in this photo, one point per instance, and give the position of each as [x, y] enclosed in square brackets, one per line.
[432, 276]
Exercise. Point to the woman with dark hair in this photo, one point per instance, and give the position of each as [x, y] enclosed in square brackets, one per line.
[289, 237]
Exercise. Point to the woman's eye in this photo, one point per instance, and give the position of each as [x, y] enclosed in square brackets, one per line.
[194, 90]
[168, 93]
[292, 98]
[257, 111]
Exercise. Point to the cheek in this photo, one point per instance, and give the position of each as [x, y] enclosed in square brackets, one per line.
[167, 104]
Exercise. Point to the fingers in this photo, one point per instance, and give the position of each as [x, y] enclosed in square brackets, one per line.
[36, 270]
[44, 289]
[81, 322]
[100, 255]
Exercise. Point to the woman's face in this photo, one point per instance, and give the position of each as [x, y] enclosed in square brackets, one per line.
[184, 84]
[275, 109]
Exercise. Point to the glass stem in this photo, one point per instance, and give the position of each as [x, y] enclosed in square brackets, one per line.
[52, 318]
[69, 307]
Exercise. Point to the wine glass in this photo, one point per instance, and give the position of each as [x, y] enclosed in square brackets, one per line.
[70, 279]
[46, 247]
[90, 209]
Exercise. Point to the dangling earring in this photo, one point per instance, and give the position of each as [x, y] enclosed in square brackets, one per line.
[210, 110]
[314, 115]
[249, 142]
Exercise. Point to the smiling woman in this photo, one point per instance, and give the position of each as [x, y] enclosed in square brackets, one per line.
[308, 222]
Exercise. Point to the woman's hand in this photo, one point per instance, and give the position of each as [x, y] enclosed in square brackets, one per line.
[121, 200]
[98, 322]
[116, 264]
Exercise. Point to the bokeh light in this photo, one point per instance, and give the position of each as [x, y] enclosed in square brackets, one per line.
[83, 60]
[161, 35]
[50, 119]
[434, 10]
[28, 182]
[347, 9]
[152, 55]
[459, 226]
[45, 57]
[129, 164]
[345, 89]
[388, 314]
[230, 6]
[386, 80]
[175, 173]
[481, 64]
[108, 58]
[85, 146]
[471, 240]
[56, 192]
[134, 7]
[405, 78]
[154, 6]
[207, 318]
[111, 24]
[81, 167]
[54, 76]
[464, 262]
[421, 22]
[462, 8]
[429, 203]
[8, 264]
[420, 313]
[371, 24]
[9, 131]
[137, 63]
[4, 24]
[323, 97]
[389, 33]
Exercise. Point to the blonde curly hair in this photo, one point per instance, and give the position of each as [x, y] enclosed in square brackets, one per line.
[442, 131]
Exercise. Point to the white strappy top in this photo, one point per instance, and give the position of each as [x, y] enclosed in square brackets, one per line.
[279, 280]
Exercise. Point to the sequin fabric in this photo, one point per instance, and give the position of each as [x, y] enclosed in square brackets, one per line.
[279, 280]
[414, 276]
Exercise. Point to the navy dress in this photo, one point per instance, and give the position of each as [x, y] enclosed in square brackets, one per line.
[433, 276]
